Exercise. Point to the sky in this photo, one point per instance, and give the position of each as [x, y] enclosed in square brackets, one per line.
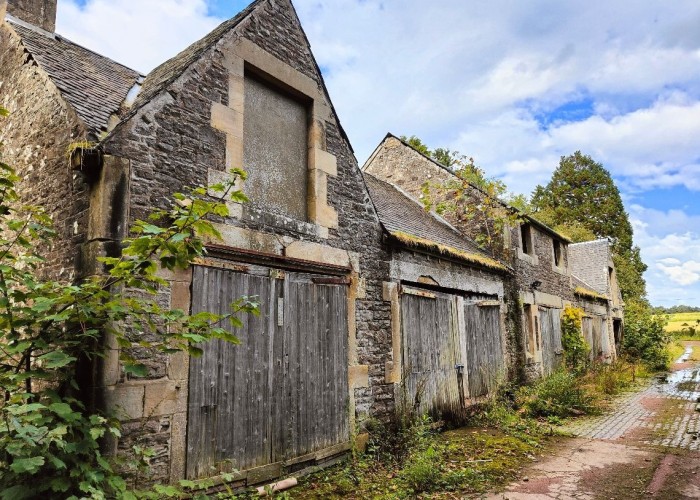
[513, 84]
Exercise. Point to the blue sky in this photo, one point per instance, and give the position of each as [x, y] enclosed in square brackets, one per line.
[516, 85]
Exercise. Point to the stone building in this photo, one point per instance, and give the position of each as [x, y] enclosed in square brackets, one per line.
[447, 307]
[309, 243]
[338, 260]
[598, 293]
[541, 281]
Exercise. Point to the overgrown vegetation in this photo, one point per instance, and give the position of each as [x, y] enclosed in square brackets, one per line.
[49, 437]
[576, 350]
[645, 337]
[500, 436]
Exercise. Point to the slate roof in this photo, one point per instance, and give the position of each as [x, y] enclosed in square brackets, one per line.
[585, 290]
[589, 262]
[405, 218]
[93, 84]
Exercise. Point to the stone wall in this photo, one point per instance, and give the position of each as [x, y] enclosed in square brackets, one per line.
[37, 136]
[397, 163]
[40, 13]
[174, 141]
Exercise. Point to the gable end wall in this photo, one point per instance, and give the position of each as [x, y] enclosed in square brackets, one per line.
[36, 136]
[170, 143]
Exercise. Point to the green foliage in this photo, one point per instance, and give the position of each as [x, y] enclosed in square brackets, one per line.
[576, 350]
[560, 395]
[49, 439]
[474, 203]
[679, 309]
[406, 429]
[645, 337]
[422, 471]
[443, 156]
[581, 200]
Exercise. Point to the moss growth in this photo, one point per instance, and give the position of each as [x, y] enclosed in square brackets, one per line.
[457, 462]
[590, 294]
[416, 242]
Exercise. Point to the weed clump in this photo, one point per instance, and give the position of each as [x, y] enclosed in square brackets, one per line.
[560, 395]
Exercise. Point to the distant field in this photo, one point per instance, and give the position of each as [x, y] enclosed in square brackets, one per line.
[677, 321]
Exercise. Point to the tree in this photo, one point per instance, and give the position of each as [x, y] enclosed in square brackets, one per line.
[49, 438]
[473, 202]
[443, 156]
[582, 200]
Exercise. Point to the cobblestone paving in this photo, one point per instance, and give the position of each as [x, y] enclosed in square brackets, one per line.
[663, 414]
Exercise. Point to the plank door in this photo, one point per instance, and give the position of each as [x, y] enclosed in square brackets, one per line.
[587, 330]
[484, 345]
[552, 352]
[596, 346]
[282, 392]
[430, 351]
[313, 385]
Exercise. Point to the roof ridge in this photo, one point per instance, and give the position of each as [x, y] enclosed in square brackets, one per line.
[589, 242]
[432, 213]
[436, 218]
[60, 37]
[531, 218]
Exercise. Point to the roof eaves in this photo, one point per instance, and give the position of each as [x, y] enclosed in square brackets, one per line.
[411, 241]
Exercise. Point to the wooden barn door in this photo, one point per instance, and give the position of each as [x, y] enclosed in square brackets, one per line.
[430, 350]
[587, 330]
[282, 392]
[484, 345]
[550, 325]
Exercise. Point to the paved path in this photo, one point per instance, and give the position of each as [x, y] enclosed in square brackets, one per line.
[646, 447]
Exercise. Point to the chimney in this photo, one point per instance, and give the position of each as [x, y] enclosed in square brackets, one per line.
[41, 13]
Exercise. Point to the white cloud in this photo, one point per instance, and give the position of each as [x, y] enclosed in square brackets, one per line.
[138, 33]
[687, 273]
[479, 76]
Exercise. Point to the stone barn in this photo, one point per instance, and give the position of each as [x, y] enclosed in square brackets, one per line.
[309, 244]
[540, 285]
[598, 294]
[447, 307]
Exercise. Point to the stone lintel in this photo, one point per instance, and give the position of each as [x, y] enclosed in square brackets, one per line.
[318, 253]
[547, 299]
[238, 237]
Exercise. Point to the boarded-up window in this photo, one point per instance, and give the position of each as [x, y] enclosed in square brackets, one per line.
[557, 253]
[275, 150]
[526, 239]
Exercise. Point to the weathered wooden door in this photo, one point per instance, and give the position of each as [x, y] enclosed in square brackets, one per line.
[283, 391]
[550, 326]
[431, 350]
[587, 330]
[484, 347]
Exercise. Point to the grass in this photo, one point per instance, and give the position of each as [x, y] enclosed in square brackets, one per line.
[462, 461]
[680, 321]
[502, 436]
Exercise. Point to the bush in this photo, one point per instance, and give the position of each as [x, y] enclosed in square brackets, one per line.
[405, 430]
[576, 350]
[560, 395]
[645, 338]
[49, 436]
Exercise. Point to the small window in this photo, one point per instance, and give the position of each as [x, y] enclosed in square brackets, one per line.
[610, 274]
[557, 252]
[526, 238]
